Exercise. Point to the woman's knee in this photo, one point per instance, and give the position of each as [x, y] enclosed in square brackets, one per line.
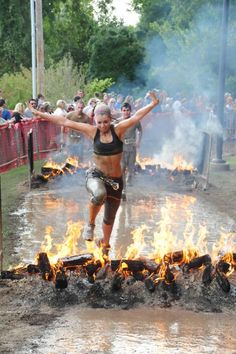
[97, 190]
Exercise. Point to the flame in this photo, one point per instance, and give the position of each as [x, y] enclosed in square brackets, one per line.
[134, 250]
[73, 160]
[67, 247]
[178, 163]
[224, 246]
[167, 250]
[52, 164]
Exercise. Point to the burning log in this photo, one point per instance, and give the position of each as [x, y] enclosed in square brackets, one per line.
[151, 266]
[61, 281]
[197, 263]
[69, 168]
[223, 281]
[129, 264]
[74, 261]
[51, 171]
[174, 257]
[44, 266]
[92, 268]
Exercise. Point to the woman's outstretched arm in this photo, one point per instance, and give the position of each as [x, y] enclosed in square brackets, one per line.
[84, 128]
[123, 125]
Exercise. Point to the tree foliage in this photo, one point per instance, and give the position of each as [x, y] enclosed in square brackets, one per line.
[69, 32]
[114, 52]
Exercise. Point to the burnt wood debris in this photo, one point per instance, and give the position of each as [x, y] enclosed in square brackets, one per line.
[151, 273]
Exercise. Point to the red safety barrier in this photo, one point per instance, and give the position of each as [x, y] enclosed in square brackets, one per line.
[14, 142]
[8, 148]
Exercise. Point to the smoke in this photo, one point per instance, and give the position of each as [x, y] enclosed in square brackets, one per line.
[186, 68]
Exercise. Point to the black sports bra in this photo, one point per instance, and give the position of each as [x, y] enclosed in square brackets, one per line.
[107, 149]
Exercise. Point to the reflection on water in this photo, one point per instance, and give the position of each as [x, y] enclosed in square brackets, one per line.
[170, 217]
[138, 331]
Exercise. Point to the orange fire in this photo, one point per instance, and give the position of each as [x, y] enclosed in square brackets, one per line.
[164, 248]
[178, 163]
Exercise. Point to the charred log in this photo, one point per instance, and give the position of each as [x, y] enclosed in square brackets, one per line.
[151, 266]
[197, 262]
[207, 275]
[223, 281]
[130, 265]
[61, 281]
[223, 266]
[116, 283]
[150, 285]
[44, 266]
[11, 275]
[169, 276]
[170, 287]
[74, 261]
[91, 278]
[33, 269]
[139, 276]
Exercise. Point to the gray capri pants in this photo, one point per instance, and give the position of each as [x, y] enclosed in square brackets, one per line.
[102, 192]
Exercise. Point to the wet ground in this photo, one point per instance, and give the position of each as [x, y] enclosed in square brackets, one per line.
[152, 209]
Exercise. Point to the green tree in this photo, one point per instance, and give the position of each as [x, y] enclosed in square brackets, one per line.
[69, 32]
[14, 35]
[114, 52]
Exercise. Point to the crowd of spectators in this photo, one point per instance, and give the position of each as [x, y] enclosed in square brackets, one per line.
[198, 108]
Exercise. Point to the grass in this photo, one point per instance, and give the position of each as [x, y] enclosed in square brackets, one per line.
[231, 160]
[12, 188]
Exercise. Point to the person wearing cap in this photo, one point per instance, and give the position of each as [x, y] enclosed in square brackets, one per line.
[5, 113]
[104, 179]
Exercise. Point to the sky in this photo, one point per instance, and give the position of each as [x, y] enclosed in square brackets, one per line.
[121, 11]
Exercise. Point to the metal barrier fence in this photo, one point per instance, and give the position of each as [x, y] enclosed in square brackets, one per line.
[14, 143]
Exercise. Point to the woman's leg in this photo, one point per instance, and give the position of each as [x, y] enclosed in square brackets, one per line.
[110, 210]
[97, 190]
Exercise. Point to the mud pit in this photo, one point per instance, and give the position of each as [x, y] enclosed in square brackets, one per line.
[29, 305]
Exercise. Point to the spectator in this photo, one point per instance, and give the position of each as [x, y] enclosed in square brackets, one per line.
[48, 107]
[80, 93]
[18, 113]
[61, 108]
[115, 113]
[40, 99]
[28, 114]
[119, 101]
[6, 114]
[76, 141]
[131, 141]
[89, 109]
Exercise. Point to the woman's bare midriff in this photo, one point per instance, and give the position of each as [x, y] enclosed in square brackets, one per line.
[109, 165]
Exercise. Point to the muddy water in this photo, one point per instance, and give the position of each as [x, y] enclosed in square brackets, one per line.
[64, 207]
[136, 331]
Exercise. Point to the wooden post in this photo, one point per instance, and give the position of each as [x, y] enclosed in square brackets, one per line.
[30, 155]
[1, 233]
[39, 46]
